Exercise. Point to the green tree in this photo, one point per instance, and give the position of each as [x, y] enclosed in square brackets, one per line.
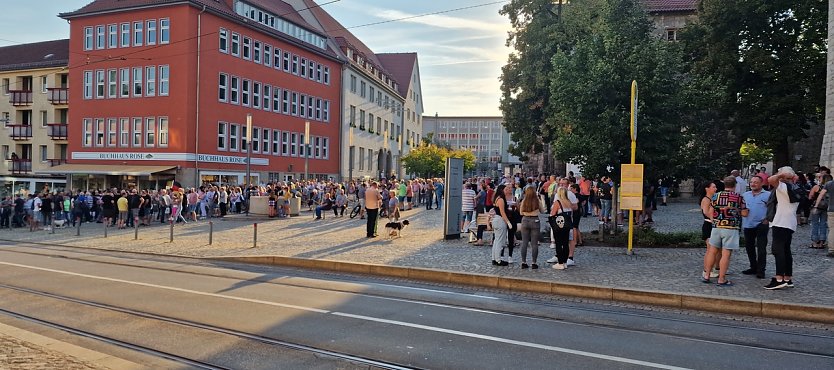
[430, 160]
[771, 58]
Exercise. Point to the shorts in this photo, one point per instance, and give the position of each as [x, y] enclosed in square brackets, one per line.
[706, 230]
[122, 215]
[724, 238]
[664, 191]
[468, 216]
[361, 203]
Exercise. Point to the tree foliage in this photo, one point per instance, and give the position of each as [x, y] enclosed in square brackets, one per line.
[430, 160]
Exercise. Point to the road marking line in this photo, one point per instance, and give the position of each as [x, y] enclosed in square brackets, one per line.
[365, 318]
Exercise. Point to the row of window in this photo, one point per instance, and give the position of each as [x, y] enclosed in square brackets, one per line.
[272, 21]
[272, 57]
[231, 137]
[121, 83]
[241, 91]
[380, 127]
[369, 92]
[464, 136]
[134, 132]
[111, 36]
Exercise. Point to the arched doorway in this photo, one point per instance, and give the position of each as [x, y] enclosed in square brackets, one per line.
[380, 163]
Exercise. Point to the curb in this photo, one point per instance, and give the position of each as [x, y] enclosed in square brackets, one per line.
[735, 306]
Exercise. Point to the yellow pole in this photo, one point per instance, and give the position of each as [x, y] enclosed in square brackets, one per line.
[633, 130]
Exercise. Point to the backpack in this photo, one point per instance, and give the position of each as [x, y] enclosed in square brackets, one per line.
[772, 201]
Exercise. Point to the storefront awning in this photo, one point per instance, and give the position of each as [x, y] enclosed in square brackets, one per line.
[100, 169]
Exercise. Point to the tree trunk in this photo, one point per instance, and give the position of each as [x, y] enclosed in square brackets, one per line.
[781, 155]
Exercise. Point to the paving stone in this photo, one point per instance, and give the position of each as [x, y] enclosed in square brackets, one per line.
[21, 355]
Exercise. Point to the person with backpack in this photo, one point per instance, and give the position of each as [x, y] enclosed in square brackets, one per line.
[782, 225]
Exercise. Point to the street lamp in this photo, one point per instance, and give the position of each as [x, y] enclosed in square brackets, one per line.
[306, 150]
[248, 160]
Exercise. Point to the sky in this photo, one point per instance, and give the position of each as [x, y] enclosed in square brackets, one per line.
[460, 53]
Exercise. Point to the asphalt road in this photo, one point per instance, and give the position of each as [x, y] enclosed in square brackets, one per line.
[244, 317]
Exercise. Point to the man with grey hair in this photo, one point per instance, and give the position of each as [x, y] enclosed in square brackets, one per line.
[783, 226]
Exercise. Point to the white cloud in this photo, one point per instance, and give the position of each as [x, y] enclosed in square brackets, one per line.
[440, 20]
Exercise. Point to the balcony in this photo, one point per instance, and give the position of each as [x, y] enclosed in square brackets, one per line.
[57, 131]
[20, 132]
[20, 166]
[58, 95]
[20, 97]
[56, 162]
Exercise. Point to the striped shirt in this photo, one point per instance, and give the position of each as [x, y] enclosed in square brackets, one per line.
[468, 202]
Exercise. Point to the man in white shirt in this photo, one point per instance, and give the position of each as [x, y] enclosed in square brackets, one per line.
[741, 183]
[783, 226]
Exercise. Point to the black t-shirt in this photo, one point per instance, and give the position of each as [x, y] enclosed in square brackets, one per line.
[133, 201]
[147, 203]
[46, 205]
[108, 202]
[18, 204]
[605, 191]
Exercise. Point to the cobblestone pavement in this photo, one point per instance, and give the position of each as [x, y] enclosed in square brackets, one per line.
[664, 269]
[21, 355]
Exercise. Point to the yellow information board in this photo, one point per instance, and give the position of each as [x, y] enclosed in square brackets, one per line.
[631, 188]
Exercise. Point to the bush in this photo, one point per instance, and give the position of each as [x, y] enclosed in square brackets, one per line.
[647, 237]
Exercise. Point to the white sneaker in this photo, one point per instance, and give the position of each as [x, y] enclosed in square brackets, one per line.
[713, 274]
[553, 260]
[559, 266]
[552, 246]
[510, 260]
[571, 262]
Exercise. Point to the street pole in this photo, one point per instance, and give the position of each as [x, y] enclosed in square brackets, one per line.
[306, 150]
[248, 160]
[350, 153]
[633, 126]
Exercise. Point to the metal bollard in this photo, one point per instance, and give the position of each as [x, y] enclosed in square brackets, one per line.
[255, 239]
[211, 231]
[171, 237]
[135, 231]
[105, 227]
[78, 228]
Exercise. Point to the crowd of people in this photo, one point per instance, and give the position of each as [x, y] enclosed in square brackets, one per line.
[777, 204]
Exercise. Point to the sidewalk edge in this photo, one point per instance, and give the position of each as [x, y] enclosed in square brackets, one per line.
[737, 306]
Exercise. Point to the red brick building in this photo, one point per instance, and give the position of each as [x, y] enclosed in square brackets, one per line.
[161, 90]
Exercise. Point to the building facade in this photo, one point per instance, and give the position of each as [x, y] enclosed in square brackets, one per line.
[378, 110]
[34, 110]
[165, 88]
[486, 137]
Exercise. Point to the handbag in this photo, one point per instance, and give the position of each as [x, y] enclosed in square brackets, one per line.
[560, 221]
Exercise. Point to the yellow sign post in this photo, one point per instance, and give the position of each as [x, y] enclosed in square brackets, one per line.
[631, 193]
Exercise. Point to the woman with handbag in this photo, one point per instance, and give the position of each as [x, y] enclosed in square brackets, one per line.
[561, 217]
[500, 226]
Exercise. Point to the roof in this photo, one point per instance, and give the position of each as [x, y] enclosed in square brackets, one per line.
[668, 6]
[107, 169]
[35, 55]
[401, 66]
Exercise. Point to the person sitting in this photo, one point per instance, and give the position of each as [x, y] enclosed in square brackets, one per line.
[326, 205]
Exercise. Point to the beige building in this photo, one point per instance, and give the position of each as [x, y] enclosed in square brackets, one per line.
[33, 111]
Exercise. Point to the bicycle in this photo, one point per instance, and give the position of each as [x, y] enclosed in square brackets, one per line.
[355, 210]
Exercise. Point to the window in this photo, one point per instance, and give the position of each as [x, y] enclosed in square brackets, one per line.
[223, 87]
[224, 41]
[304, 67]
[276, 100]
[137, 34]
[310, 113]
[99, 37]
[294, 144]
[285, 108]
[257, 54]
[295, 65]
[276, 142]
[294, 104]
[672, 34]
[379, 99]
[371, 122]
[276, 58]
[125, 34]
[362, 87]
[311, 70]
[256, 95]
[245, 93]
[325, 115]
[88, 132]
[88, 85]
[124, 80]
[352, 116]
[318, 72]
[235, 44]
[164, 31]
[44, 119]
[361, 159]
[244, 140]
[222, 128]
[151, 28]
[150, 130]
[286, 61]
[137, 81]
[112, 134]
[318, 109]
[112, 36]
[163, 132]
[265, 141]
[88, 38]
[164, 78]
[267, 98]
[124, 132]
[99, 132]
[353, 84]
[43, 153]
[267, 55]
[256, 140]
[303, 112]
[247, 48]
[112, 84]
[362, 120]
[233, 129]
[235, 87]
[99, 84]
[325, 148]
[379, 126]
[137, 132]
[317, 147]
[327, 75]
[150, 81]
[371, 94]
[285, 143]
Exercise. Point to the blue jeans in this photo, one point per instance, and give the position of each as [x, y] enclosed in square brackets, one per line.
[605, 213]
[819, 226]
